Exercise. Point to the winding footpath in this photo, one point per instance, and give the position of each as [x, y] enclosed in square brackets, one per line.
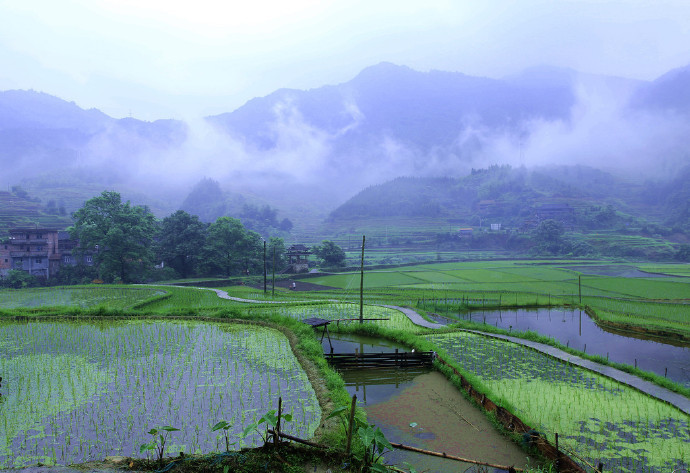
[679, 401]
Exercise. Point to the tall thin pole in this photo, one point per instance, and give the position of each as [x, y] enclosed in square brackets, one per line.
[264, 267]
[361, 286]
[579, 287]
[273, 282]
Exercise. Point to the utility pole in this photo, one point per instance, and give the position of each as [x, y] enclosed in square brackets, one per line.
[264, 267]
[273, 282]
[361, 287]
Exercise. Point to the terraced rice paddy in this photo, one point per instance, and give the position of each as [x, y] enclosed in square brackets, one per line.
[598, 419]
[74, 392]
[91, 296]
[396, 319]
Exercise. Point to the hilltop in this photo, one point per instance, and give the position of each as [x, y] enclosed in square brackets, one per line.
[306, 152]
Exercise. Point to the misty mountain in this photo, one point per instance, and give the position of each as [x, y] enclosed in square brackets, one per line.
[420, 110]
[670, 92]
[307, 151]
[42, 135]
[511, 196]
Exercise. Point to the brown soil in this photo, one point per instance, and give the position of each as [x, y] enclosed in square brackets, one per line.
[445, 422]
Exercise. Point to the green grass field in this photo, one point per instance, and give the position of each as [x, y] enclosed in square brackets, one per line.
[114, 297]
[658, 303]
[654, 302]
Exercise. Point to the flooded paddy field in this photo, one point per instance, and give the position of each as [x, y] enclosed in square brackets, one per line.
[79, 391]
[421, 408]
[597, 419]
[574, 328]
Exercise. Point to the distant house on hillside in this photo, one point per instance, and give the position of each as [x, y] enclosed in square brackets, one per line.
[40, 252]
[562, 213]
[298, 256]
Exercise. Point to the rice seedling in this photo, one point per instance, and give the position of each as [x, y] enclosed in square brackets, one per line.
[597, 418]
[75, 392]
[76, 296]
[335, 311]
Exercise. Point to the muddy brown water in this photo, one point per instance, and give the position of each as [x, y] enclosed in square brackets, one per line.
[421, 408]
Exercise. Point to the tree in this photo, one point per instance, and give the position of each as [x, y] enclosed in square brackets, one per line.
[683, 253]
[118, 234]
[330, 253]
[230, 248]
[549, 238]
[181, 239]
[205, 200]
[281, 260]
[18, 279]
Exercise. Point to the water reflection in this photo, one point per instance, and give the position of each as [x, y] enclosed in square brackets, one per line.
[574, 328]
[417, 406]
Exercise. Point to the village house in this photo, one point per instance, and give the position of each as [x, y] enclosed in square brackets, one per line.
[298, 256]
[39, 251]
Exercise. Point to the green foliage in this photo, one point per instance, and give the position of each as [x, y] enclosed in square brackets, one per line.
[683, 253]
[119, 235]
[16, 279]
[225, 426]
[180, 242]
[276, 246]
[372, 440]
[549, 238]
[264, 220]
[158, 441]
[230, 248]
[331, 254]
[205, 200]
[270, 419]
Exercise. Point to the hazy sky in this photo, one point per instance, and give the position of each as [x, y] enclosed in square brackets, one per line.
[188, 58]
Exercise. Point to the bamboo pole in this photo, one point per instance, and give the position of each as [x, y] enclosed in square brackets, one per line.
[276, 433]
[452, 457]
[297, 439]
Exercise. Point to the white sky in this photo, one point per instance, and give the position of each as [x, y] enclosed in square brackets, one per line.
[182, 59]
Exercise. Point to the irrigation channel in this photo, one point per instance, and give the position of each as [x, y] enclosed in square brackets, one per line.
[575, 329]
[417, 406]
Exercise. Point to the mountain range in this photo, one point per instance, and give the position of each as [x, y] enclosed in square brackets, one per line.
[313, 149]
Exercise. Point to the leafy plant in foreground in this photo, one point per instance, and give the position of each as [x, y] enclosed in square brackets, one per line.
[271, 420]
[157, 443]
[226, 427]
[372, 438]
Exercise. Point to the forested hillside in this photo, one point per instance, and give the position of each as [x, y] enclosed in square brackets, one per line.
[515, 196]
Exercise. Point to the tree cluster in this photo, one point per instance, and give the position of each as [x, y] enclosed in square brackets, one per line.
[127, 241]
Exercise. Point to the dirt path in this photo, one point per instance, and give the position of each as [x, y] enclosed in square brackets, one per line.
[651, 389]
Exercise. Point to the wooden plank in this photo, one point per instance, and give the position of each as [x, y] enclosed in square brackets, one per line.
[316, 321]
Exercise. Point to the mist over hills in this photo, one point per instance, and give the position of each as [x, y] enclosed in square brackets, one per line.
[309, 151]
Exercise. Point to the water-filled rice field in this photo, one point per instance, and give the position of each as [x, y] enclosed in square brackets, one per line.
[334, 311]
[597, 418]
[90, 296]
[74, 391]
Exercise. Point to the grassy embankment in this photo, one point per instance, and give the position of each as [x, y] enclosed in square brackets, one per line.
[660, 305]
[455, 287]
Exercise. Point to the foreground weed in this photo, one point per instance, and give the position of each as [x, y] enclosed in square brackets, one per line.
[157, 443]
